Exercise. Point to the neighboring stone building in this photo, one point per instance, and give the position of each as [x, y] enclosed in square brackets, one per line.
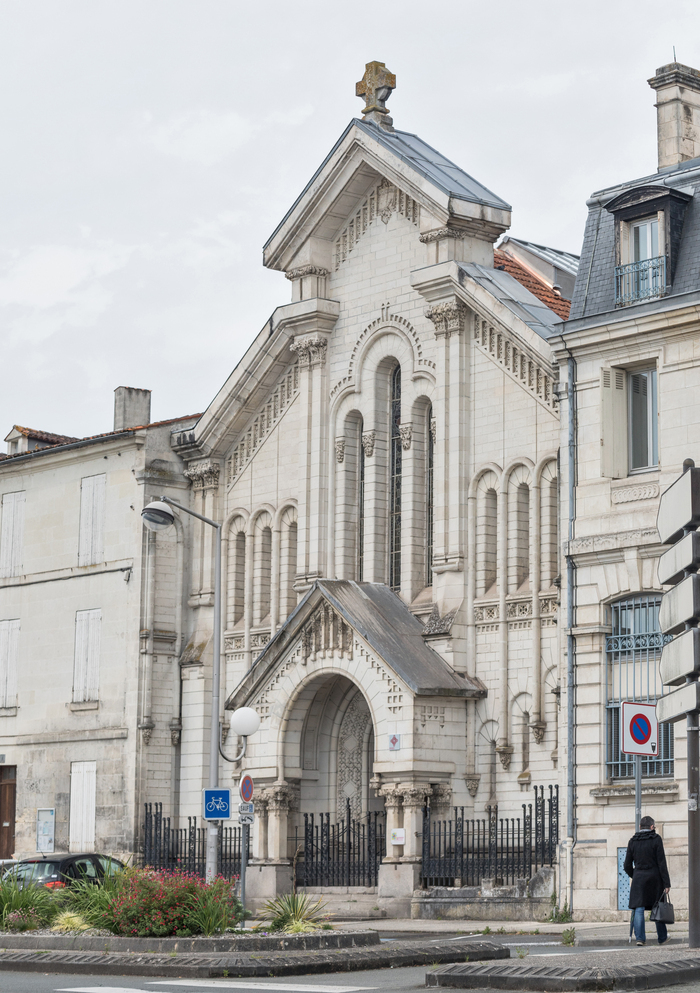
[384, 463]
[79, 650]
[631, 350]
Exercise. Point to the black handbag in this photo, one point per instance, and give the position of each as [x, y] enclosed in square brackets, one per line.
[663, 911]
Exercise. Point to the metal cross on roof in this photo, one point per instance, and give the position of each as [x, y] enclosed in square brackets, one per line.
[376, 86]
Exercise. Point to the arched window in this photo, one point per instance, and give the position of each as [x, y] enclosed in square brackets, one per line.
[395, 481]
[262, 574]
[236, 575]
[429, 462]
[548, 501]
[486, 535]
[288, 562]
[518, 532]
[633, 651]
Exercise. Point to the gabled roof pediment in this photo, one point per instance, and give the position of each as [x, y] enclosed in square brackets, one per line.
[327, 620]
[364, 154]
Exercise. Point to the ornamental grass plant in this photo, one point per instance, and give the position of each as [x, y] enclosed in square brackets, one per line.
[293, 913]
[24, 908]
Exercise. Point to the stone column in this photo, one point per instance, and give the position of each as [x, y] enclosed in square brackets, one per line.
[452, 442]
[270, 872]
[414, 797]
[260, 832]
[282, 799]
[312, 349]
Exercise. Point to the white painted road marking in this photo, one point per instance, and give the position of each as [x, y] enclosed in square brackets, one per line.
[241, 984]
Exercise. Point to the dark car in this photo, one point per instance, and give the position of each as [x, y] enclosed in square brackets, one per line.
[56, 871]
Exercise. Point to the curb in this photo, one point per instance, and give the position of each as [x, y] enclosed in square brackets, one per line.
[558, 979]
[193, 946]
[230, 964]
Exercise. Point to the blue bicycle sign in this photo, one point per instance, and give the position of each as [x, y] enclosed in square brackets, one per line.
[216, 804]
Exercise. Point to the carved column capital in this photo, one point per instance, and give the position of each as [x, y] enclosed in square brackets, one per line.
[306, 270]
[175, 731]
[406, 432]
[505, 753]
[441, 797]
[203, 475]
[391, 794]
[282, 797]
[438, 234]
[538, 729]
[368, 439]
[415, 794]
[339, 449]
[448, 318]
[311, 348]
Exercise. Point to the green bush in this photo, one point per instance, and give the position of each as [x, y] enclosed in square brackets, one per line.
[88, 901]
[293, 914]
[214, 909]
[33, 904]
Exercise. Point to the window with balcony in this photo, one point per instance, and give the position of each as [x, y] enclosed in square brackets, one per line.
[643, 277]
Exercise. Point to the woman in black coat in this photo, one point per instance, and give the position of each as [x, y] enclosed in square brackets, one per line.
[645, 862]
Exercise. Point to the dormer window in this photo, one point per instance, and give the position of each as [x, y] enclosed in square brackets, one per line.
[648, 224]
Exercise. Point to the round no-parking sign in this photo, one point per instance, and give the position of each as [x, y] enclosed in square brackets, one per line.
[640, 729]
[246, 789]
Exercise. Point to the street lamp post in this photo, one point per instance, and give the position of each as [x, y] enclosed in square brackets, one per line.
[158, 516]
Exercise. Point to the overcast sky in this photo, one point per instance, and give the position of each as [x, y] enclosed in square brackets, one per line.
[150, 147]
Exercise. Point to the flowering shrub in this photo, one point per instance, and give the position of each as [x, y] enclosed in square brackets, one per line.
[147, 903]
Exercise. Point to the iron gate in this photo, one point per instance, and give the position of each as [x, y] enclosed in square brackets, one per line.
[165, 847]
[347, 853]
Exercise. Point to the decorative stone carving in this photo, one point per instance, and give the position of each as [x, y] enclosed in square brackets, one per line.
[146, 730]
[441, 798]
[278, 402]
[610, 542]
[439, 625]
[628, 494]
[368, 439]
[225, 728]
[366, 214]
[311, 348]
[505, 753]
[175, 731]
[324, 634]
[306, 270]
[387, 200]
[448, 318]
[538, 730]
[415, 795]
[519, 608]
[406, 432]
[351, 739]
[473, 780]
[203, 475]
[376, 86]
[281, 796]
[433, 429]
[487, 613]
[520, 365]
[339, 449]
[438, 234]
[392, 795]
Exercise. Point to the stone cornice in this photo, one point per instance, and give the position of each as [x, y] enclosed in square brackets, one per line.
[439, 234]
[593, 544]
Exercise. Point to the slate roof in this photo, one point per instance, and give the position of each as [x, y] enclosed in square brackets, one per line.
[594, 293]
[385, 623]
[432, 165]
[554, 256]
[538, 287]
[515, 297]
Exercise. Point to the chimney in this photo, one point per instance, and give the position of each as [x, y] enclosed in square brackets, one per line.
[132, 407]
[677, 113]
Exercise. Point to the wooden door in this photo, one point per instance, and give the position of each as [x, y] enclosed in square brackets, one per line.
[8, 786]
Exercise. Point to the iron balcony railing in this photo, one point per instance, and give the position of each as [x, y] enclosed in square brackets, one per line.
[640, 281]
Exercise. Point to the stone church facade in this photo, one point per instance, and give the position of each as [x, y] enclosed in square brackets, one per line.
[415, 599]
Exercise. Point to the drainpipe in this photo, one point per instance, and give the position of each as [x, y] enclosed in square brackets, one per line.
[570, 640]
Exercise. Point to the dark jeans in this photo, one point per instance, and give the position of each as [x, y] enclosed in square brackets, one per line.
[638, 924]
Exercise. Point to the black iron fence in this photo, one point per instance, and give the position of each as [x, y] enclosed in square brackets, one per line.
[347, 853]
[462, 851]
[165, 847]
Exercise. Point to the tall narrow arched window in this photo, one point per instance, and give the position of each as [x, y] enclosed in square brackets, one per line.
[236, 576]
[429, 461]
[360, 503]
[262, 575]
[395, 481]
[288, 562]
[518, 531]
[486, 535]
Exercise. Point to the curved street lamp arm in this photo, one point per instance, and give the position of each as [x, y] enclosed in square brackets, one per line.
[226, 757]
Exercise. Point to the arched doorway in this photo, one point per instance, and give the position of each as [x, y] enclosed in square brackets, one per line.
[330, 738]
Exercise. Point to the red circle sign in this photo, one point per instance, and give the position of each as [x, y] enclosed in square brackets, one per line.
[246, 789]
[640, 729]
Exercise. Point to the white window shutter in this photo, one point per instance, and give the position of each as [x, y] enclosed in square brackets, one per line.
[9, 647]
[81, 826]
[92, 512]
[613, 423]
[86, 660]
[12, 533]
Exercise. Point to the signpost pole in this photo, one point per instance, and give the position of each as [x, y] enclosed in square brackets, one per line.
[693, 830]
[244, 862]
[637, 791]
